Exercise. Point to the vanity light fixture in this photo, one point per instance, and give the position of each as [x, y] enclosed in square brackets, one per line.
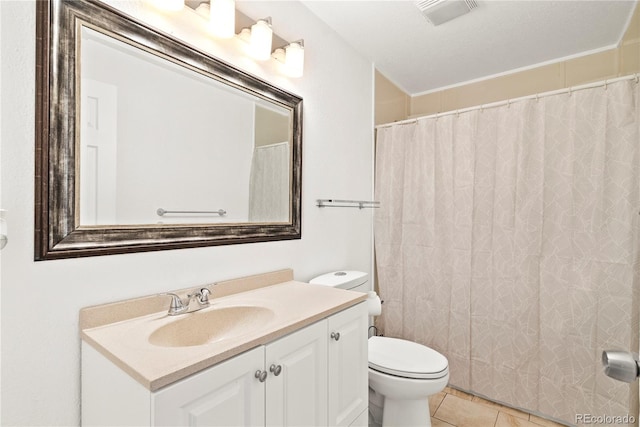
[221, 15]
[260, 40]
[170, 5]
[222, 20]
[292, 56]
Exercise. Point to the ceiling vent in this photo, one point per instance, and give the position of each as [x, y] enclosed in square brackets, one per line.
[440, 11]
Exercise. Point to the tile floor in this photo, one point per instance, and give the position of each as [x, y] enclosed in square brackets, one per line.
[453, 408]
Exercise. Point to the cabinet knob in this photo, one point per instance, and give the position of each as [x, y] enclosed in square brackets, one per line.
[275, 369]
[261, 375]
[335, 335]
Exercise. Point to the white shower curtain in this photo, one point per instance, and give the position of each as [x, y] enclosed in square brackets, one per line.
[507, 239]
[269, 183]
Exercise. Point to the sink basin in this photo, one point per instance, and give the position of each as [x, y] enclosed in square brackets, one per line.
[207, 326]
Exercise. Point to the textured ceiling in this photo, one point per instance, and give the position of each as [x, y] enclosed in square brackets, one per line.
[494, 38]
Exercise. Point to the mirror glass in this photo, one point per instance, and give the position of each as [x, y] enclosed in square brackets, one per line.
[161, 143]
[146, 143]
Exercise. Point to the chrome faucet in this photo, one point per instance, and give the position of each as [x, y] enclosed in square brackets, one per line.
[179, 306]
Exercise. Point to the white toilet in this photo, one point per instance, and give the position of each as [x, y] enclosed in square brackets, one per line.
[402, 374]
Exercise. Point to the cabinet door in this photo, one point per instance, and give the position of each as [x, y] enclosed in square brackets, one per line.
[297, 396]
[227, 394]
[348, 365]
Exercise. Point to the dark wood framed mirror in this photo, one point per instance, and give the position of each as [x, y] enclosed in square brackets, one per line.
[166, 186]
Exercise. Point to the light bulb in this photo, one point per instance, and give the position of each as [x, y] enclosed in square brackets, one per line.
[261, 36]
[294, 59]
[223, 18]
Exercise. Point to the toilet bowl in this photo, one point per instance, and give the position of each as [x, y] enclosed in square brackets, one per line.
[402, 374]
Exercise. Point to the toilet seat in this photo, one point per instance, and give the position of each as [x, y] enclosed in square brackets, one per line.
[406, 359]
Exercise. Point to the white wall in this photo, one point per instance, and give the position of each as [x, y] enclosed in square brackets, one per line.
[40, 301]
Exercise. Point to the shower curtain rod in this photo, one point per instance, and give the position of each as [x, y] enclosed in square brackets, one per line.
[569, 90]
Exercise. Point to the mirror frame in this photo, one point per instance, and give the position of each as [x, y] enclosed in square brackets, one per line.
[58, 233]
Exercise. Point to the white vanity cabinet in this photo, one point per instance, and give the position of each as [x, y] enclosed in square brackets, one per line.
[348, 367]
[305, 378]
[297, 396]
[227, 394]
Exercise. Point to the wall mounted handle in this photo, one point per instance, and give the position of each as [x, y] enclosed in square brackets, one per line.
[261, 375]
[163, 212]
[335, 335]
[276, 370]
[3, 229]
[334, 203]
[621, 365]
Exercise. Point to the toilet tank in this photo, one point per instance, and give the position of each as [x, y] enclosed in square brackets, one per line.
[346, 279]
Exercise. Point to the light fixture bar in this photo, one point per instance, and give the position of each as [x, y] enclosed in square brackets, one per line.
[221, 15]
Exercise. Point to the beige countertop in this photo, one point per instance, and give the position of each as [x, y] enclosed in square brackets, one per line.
[125, 341]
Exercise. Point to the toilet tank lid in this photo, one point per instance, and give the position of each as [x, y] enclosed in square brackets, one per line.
[345, 279]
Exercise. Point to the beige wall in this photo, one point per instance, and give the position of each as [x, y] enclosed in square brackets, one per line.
[612, 63]
[270, 127]
[391, 103]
